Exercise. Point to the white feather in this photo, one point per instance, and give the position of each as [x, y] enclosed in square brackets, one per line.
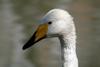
[62, 24]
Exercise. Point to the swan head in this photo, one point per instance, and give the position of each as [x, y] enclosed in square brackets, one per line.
[55, 22]
[59, 21]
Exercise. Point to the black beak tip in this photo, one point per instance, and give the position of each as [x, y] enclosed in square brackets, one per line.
[23, 47]
[31, 42]
[27, 45]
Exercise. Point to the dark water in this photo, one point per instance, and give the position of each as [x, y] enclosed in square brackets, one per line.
[19, 19]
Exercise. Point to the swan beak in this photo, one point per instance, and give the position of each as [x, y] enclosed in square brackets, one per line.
[39, 34]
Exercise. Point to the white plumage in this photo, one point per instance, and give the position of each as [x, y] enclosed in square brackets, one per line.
[58, 23]
[63, 26]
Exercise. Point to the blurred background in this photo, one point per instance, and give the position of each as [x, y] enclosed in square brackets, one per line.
[19, 19]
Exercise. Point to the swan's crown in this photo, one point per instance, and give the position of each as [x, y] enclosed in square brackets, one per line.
[56, 14]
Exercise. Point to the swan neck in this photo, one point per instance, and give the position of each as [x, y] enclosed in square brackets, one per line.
[68, 50]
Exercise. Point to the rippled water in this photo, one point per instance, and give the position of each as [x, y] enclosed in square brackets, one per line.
[19, 19]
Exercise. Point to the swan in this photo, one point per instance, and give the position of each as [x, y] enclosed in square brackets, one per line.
[58, 23]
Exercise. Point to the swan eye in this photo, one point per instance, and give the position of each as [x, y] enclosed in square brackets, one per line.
[50, 22]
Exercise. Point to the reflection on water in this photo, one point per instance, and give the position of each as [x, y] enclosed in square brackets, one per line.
[16, 15]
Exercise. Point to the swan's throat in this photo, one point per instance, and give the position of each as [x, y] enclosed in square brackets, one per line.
[68, 51]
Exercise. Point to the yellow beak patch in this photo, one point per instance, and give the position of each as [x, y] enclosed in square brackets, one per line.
[41, 31]
[37, 36]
